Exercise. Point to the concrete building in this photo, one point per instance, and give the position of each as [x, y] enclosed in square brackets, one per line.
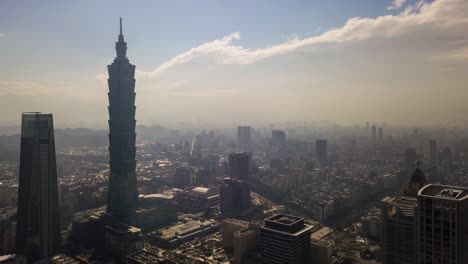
[285, 239]
[443, 224]
[183, 177]
[399, 230]
[122, 240]
[322, 248]
[234, 198]
[229, 227]
[239, 165]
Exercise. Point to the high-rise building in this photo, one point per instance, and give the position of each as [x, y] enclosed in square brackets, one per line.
[418, 180]
[38, 228]
[239, 165]
[321, 149]
[123, 192]
[380, 133]
[374, 134]
[399, 230]
[244, 137]
[183, 177]
[433, 152]
[278, 138]
[443, 224]
[234, 196]
[285, 239]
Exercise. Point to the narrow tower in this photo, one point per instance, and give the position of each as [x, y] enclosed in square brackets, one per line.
[123, 192]
[38, 228]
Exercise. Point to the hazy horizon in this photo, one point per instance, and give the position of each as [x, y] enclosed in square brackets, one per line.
[224, 63]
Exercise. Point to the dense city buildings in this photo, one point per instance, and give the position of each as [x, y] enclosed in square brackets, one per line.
[285, 239]
[239, 165]
[38, 228]
[443, 221]
[244, 137]
[321, 149]
[123, 192]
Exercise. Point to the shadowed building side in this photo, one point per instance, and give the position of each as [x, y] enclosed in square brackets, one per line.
[38, 228]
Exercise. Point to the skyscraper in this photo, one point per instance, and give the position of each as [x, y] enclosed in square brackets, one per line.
[239, 165]
[244, 137]
[321, 149]
[443, 224]
[285, 239]
[38, 228]
[380, 133]
[399, 230]
[123, 191]
[234, 197]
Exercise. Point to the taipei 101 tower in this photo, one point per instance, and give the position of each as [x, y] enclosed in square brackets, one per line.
[123, 191]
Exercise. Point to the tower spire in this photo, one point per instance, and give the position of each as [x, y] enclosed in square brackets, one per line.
[120, 26]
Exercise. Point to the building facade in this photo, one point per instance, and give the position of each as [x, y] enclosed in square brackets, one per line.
[38, 228]
[239, 165]
[443, 224]
[285, 239]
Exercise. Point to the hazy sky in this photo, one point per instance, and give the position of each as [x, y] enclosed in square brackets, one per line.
[401, 62]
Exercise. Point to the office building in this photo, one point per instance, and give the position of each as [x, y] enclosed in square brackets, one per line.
[38, 227]
[123, 192]
[183, 177]
[321, 149]
[244, 137]
[278, 138]
[380, 134]
[443, 224]
[285, 239]
[399, 230]
[234, 198]
[239, 165]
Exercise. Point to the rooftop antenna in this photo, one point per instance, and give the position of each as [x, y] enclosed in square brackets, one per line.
[120, 26]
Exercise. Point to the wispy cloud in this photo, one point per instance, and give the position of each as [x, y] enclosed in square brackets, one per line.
[442, 15]
[2, 35]
[396, 4]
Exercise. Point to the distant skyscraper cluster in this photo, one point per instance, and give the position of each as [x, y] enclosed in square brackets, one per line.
[278, 138]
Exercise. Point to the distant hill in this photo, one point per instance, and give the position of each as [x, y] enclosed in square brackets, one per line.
[78, 137]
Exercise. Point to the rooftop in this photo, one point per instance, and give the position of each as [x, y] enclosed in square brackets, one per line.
[444, 192]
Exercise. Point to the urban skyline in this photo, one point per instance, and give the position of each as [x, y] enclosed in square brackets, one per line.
[240, 191]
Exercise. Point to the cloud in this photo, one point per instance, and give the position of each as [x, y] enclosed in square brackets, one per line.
[396, 4]
[2, 35]
[417, 22]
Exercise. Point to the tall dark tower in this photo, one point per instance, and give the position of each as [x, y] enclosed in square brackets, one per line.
[38, 228]
[123, 192]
